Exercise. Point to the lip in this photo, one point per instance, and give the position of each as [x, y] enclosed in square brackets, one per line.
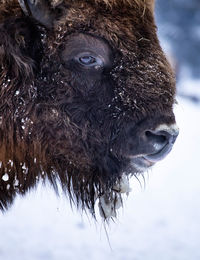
[160, 155]
[145, 161]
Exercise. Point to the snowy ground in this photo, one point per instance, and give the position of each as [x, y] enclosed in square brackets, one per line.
[160, 221]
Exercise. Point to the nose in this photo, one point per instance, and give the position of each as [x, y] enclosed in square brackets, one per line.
[159, 142]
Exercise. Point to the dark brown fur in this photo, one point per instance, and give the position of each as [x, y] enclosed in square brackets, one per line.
[51, 125]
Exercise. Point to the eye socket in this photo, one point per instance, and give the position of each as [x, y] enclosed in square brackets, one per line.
[86, 53]
[87, 60]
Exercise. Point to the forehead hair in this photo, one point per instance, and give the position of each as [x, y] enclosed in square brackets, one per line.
[141, 3]
[111, 3]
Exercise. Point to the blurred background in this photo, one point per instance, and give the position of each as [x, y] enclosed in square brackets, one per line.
[161, 216]
[179, 24]
[179, 31]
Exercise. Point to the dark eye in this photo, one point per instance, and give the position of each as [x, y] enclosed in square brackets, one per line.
[87, 60]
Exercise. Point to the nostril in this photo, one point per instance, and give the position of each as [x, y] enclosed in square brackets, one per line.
[155, 141]
[159, 142]
[156, 137]
[161, 136]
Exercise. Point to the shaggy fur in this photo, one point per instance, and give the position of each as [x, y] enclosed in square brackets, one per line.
[60, 125]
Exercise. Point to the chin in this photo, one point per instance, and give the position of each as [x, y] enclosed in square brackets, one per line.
[141, 164]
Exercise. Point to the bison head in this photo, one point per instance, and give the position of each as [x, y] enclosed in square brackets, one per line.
[86, 96]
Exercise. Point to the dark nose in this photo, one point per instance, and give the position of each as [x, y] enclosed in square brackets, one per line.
[159, 142]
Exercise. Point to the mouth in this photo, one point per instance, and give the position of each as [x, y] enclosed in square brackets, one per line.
[155, 157]
[141, 163]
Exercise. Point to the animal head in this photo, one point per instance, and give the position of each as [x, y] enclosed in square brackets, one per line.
[86, 97]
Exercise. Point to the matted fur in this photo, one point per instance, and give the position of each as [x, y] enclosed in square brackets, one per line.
[53, 124]
[110, 3]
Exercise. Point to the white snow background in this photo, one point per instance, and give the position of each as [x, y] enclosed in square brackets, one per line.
[159, 221]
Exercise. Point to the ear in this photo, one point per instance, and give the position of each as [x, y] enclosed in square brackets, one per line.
[40, 10]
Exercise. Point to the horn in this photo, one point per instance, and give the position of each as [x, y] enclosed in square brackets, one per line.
[40, 10]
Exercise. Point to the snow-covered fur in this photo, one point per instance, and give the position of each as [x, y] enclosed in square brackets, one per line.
[63, 123]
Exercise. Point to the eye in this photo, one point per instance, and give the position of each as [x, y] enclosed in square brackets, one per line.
[87, 60]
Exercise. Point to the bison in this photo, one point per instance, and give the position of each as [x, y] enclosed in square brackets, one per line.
[86, 98]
